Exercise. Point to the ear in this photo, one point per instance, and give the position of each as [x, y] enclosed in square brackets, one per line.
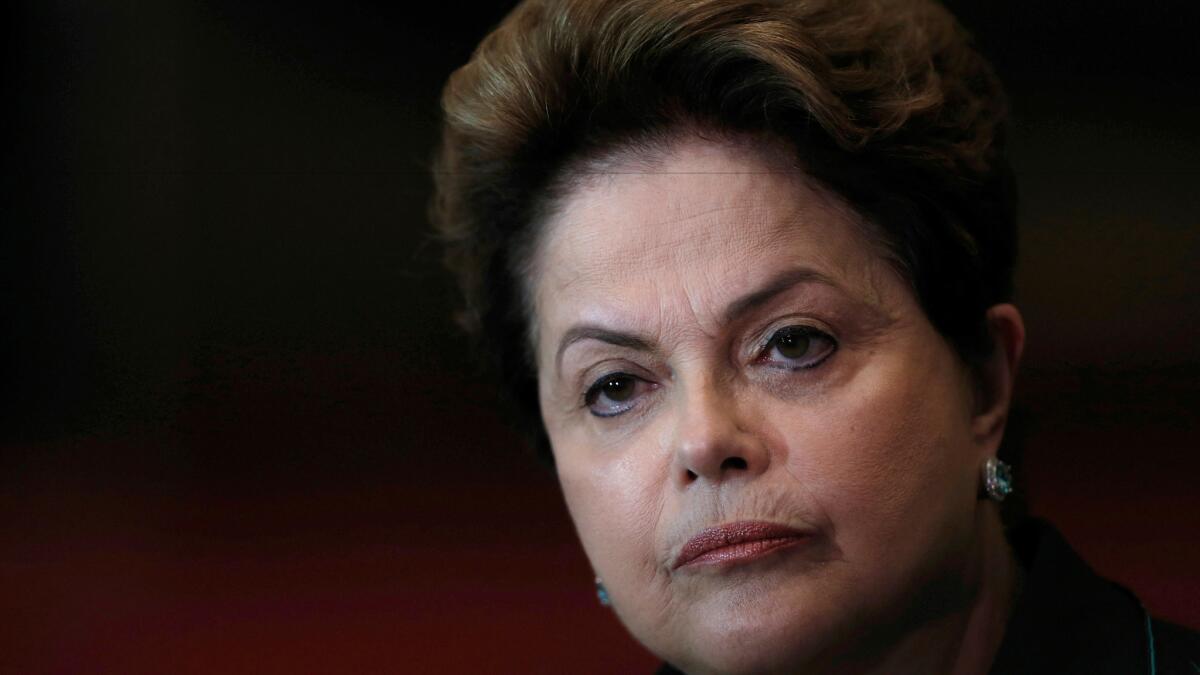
[996, 376]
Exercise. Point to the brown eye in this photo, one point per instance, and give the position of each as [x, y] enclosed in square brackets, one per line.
[614, 393]
[792, 345]
[619, 388]
[798, 347]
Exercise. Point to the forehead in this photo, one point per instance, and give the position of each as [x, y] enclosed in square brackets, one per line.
[704, 224]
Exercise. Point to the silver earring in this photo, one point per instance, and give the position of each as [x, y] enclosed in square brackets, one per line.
[602, 594]
[997, 479]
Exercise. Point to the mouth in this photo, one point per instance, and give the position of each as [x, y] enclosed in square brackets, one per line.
[736, 543]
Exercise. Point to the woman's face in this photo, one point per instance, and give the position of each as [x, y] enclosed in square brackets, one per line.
[766, 448]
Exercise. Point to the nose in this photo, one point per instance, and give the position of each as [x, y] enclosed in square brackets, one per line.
[711, 440]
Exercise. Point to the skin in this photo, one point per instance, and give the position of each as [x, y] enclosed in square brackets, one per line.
[869, 440]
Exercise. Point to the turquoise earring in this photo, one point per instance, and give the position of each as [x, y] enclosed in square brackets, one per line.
[602, 594]
[997, 479]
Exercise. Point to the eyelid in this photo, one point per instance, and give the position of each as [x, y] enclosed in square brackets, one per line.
[595, 389]
[587, 377]
[763, 338]
[590, 377]
[762, 355]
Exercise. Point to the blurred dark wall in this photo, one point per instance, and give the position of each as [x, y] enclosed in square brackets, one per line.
[241, 434]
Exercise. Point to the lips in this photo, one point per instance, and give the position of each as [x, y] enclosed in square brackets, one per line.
[733, 543]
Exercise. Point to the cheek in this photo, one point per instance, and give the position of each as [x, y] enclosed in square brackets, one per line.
[887, 457]
[616, 505]
[617, 498]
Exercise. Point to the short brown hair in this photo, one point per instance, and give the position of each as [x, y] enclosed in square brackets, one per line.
[883, 101]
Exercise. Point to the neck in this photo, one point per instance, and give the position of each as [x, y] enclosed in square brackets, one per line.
[988, 616]
[965, 639]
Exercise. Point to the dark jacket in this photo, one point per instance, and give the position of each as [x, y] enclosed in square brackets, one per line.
[1068, 620]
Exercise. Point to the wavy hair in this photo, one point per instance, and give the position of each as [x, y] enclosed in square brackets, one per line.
[885, 102]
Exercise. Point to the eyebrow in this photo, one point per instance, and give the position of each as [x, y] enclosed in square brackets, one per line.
[777, 284]
[773, 287]
[593, 332]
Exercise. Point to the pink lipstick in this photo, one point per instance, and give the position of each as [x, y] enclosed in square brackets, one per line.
[739, 542]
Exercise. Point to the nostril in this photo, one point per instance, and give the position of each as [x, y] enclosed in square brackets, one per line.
[733, 463]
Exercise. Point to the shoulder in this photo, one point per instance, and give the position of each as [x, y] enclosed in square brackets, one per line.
[1068, 619]
[1176, 649]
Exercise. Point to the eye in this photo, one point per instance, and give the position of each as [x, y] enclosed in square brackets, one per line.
[798, 347]
[614, 394]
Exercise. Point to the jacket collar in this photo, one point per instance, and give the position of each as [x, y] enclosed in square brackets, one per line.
[1067, 619]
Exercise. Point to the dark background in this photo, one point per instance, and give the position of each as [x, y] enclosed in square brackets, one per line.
[240, 433]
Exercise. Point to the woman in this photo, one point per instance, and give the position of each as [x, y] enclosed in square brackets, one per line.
[745, 268]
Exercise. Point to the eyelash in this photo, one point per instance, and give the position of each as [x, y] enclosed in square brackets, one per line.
[809, 333]
[771, 345]
[594, 392]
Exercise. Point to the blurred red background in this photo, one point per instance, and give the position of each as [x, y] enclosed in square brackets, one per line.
[240, 433]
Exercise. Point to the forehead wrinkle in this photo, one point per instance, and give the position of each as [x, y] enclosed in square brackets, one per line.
[688, 155]
[700, 292]
[638, 263]
[596, 245]
[648, 250]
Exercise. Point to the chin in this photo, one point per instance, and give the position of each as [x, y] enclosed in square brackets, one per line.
[759, 633]
[738, 652]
